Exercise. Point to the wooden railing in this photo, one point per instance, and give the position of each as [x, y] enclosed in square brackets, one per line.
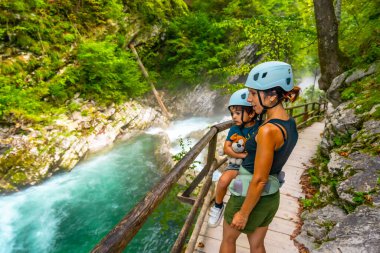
[119, 237]
[318, 109]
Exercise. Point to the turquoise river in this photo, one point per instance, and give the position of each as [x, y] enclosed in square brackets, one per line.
[72, 212]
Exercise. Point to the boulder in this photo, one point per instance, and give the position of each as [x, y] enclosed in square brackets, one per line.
[344, 120]
[338, 165]
[341, 121]
[360, 73]
[357, 232]
[318, 223]
[367, 170]
[162, 153]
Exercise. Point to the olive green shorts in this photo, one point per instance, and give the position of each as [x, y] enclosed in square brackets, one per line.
[261, 216]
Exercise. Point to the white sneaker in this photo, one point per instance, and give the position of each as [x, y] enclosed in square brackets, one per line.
[215, 216]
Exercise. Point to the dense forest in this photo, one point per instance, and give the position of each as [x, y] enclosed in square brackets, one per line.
[54, 49]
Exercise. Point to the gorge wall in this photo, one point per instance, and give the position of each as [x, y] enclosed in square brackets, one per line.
[343, 215]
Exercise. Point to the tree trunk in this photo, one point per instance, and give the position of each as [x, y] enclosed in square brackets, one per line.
[145, 73]
[328, 48]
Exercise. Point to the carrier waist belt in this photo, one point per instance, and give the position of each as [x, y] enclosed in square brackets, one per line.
[239, 185]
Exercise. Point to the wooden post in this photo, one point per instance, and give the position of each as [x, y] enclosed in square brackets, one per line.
[306, 115]
[203, 173]
[178, 245]
[312, 108]
[180, 242]
[198, 226]
[145, 73]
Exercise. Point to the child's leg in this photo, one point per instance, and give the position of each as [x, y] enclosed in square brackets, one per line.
[216, 211]
[224, 181]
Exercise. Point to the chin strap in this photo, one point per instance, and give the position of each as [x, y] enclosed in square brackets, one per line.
[267, 107]
[242, 120]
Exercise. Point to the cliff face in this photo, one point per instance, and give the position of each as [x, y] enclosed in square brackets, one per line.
[50, 105]
[344, 213]
[29, 155]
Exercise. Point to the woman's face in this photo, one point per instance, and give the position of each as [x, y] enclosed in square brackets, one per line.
[253, 98]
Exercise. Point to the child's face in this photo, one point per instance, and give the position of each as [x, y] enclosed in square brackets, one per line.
[236, 112]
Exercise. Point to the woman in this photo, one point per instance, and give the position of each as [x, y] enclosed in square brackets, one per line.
[269, 84]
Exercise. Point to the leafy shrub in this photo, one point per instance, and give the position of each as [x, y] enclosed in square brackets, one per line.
[109, 73]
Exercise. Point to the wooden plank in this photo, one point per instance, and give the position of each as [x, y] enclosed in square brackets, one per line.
[212, 245]
[282, 226]
[285, 221]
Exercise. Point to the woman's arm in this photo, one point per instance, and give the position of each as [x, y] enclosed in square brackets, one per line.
[230, 152]
[266, 143]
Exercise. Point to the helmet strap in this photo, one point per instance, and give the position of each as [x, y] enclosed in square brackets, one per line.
[267, 107]
[242, 119]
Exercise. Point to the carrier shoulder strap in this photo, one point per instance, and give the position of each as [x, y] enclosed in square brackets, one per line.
[280, 127]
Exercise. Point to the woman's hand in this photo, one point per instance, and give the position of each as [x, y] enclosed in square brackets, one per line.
[239, 221]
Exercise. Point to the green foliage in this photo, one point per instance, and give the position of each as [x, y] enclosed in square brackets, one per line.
[204, 44]
[340, 140]
[312, 202]
[157, 10]
[49, 72]
[359, 31]
[365, 94]
[185, 148]
[194, 45]
[119, 77]
[361, 198]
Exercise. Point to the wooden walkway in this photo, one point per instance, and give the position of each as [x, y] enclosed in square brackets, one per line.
[285, 221]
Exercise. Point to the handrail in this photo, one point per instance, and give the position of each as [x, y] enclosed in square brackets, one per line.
[126, 229]
[119, 237]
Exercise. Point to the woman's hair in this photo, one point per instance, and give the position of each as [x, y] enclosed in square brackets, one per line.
[282, 95]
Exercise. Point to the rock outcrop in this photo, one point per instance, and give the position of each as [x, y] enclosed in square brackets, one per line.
[30, 155]
[197, 101]
[349, 188]
[334, 91]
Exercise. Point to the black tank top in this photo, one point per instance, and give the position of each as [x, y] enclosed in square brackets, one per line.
[282, 154]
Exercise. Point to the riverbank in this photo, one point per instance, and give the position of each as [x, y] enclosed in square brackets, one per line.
[31, 153]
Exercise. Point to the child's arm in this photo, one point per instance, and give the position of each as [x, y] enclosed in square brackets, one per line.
[228, 151]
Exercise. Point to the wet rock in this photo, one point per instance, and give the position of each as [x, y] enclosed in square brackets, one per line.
[162, 153]
[357, 232]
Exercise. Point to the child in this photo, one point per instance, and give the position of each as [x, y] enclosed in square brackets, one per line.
[243, 115]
